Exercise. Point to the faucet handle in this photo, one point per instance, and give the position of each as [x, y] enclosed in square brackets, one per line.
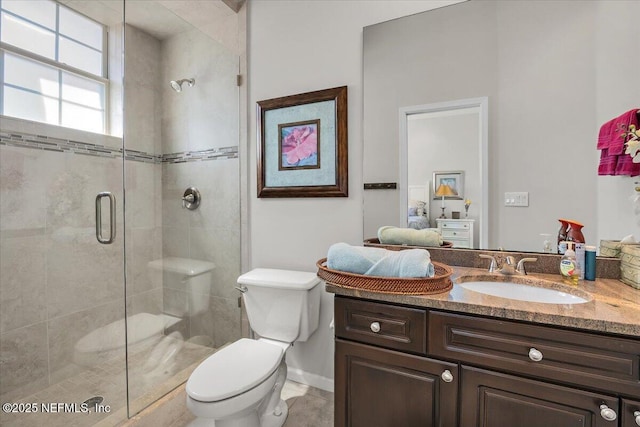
[494, 265]
[520, 268]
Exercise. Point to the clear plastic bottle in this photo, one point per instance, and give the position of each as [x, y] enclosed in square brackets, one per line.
[580, 257]
[569, 266]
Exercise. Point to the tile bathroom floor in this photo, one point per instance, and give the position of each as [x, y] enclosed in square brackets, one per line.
[308, 406]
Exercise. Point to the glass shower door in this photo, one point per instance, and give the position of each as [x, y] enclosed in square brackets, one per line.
[62, 300]
[181, 130]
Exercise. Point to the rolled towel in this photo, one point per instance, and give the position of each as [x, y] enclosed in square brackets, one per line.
[406, 263]
[380, 262]
[408, 236]
[353, 259]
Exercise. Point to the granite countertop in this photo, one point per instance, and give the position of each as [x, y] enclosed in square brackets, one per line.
[614, 307]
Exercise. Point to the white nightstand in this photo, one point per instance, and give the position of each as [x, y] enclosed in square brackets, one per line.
[457, 231]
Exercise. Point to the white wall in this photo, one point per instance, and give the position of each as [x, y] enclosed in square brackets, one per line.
[295, 47]
[446, 143]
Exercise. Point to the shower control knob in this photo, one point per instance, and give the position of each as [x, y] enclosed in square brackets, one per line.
[535, 354]
[607, 413]
[447, 376]
[191, 198]
[375, 327]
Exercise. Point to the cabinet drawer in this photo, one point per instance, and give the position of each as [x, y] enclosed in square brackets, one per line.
[582, 358]
[454, 226]
[390, 326]
[455, 234]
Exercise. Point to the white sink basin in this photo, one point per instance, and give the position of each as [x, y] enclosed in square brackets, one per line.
[521, 292]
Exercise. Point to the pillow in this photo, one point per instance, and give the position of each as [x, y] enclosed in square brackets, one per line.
[416, 207]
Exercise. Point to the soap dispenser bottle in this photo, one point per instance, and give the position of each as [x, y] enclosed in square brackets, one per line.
[569, 266]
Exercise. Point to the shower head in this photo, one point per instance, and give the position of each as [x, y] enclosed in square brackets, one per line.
[177, 84]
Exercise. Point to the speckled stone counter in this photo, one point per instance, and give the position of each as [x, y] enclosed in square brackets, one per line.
[613, 307]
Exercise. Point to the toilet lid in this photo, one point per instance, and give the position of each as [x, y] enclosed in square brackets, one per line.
[233, 370]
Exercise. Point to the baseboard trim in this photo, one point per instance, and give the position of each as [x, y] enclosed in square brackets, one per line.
[314, 380]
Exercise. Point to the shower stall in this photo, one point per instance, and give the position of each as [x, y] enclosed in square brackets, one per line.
[119, 202]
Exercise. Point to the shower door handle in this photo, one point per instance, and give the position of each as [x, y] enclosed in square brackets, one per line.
[112, 218]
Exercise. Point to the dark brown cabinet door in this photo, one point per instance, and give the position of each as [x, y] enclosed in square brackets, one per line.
[383, 388]
[630, 413]
[491, 399]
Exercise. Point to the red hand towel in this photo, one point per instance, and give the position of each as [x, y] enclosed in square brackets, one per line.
[625, 165]
[604, 136]
[619, 129]
[608, 163]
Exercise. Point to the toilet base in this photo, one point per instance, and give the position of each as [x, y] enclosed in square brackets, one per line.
[271, 411]
[272, 420]
[250, 420]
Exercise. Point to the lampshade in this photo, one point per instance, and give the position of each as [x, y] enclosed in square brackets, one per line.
[445, 190]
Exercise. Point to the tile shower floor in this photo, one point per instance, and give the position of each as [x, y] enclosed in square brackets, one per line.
[107, 380]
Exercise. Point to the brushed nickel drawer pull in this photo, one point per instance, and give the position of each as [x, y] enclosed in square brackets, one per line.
[535, 355]
[607, 413]
[375, 327]
[447, 376]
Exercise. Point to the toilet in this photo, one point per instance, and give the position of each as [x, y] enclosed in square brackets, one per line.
[240, 385]
[190, 276]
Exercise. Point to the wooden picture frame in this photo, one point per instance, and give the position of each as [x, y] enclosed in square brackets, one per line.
[302, 145]
[455, 181]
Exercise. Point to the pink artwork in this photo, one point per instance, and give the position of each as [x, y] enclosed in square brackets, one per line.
[299, 145]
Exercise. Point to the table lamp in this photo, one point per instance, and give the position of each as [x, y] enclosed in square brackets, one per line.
[442, 191]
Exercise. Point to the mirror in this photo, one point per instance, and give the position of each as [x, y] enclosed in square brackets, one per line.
[448, 135]
[551, 81]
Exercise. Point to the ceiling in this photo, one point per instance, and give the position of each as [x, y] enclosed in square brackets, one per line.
[169, 17]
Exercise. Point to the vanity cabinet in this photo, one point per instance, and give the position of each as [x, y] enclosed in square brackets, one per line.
[630, 413]
[451, 369]
[493, 399]
[382, 376]
[457, 231]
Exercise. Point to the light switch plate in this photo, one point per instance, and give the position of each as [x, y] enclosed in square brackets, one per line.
[516, 198]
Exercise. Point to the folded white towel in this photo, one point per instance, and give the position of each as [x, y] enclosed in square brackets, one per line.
[380, 262]
[353, 259]
[407, 236]
[405, 263]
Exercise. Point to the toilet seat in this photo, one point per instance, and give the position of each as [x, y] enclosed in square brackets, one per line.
[233, 370]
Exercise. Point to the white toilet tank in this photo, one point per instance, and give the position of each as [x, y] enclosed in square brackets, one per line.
[282, 305]
[190, 275]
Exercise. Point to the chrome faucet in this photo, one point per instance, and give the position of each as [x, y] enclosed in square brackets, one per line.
[508, 266]
[520, 267]
[493, 266]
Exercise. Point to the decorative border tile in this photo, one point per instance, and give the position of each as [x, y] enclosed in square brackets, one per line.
[42, 142]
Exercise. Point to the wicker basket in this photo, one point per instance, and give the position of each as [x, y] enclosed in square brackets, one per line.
[610, 248]
[630, 265]
[376, 243]
[439, 283]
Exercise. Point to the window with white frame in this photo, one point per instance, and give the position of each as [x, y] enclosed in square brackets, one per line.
[53, 64]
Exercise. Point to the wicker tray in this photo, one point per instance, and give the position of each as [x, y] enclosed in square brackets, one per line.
[439, 283]
[375, 242]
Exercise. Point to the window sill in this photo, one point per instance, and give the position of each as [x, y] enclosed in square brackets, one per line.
[36, 128]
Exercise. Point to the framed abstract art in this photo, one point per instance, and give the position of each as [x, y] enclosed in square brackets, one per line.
[302, 145]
